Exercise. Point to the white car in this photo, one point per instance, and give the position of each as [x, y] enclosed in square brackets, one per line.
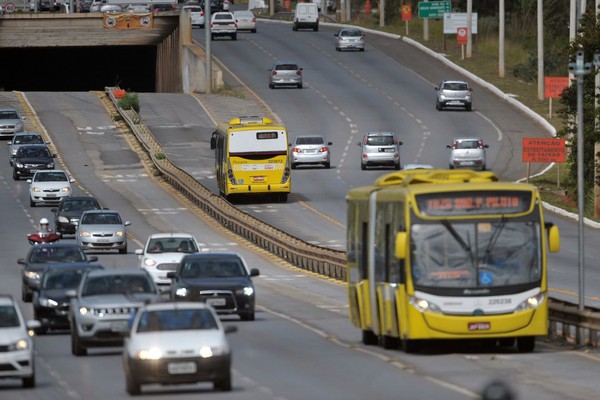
[49, 186]
[162, 254]
[17, 353]
[246, 20]
[196, 15]
[137, 8]
[177, 343]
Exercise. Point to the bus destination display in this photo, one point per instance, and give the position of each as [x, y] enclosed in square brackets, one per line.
[469, 203]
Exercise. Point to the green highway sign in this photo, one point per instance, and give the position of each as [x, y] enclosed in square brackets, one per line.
[433, 9]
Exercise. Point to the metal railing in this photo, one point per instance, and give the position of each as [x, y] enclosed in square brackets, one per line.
[565, 318]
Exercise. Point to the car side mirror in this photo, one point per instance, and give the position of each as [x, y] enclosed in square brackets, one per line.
[487, 146]
[171, 274]
[448, 146]
[92, 258]
[72, 180]
[301, 69]
[230, 329]
[400, 143]
[127, 223]
[254, 272]
[54, 155]
[329, 143]
[71, 293]
[359, 144]
[28, 180]
[139, 252]
[335, 34]
[436, 88]
[21, 261]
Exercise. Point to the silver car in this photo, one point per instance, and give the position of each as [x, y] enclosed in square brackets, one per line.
[246, 21]
[102, 230]
[453, 94]
[23, 138]
[285, 73]
[467, 152]
[380, 149]
[10, 122]
[349, 39]
[310, 150]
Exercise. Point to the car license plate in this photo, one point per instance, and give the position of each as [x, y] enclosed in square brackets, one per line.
[467, 163]
[387, 150]
[102, 240]
[119, 326]
[310, 151]
[33, 171]
[176, 368]
[51, 194]
[216, 302]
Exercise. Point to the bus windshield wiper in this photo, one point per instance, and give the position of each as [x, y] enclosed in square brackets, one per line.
[495, 235]
[465, 246]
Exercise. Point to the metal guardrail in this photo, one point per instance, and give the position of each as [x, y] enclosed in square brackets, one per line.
[565, 318]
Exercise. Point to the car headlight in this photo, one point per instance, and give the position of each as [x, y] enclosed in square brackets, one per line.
[19, 126]
[181, 292]
[85, 234]
[50, 165]
[153, 353]
[149, 262]
[532, 302]
[36, 189]
[246, 291]
[206, 352]
[119, 233]
[63, 220]
[65, 189]
[21, 344]
[423, 305]
[84, 310]
[19, 165]
[32, 275]
[45, 302]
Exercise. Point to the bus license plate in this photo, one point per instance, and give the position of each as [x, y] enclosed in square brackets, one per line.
[216, 302]
[176, 368]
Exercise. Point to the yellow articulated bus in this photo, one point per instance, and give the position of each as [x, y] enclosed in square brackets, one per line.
[251, 158]
[448, 254]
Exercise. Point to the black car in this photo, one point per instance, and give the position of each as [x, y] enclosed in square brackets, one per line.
[220, 279]
[51, 301]
[69, 210]
[32, 158]
[42, 255]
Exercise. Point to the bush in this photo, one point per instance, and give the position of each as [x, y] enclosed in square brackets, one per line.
[129, 101]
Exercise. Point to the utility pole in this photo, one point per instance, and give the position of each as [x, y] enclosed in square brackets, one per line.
[208, 52]
[426, 27]
[501, 23]
[540, 40]
[579, 69]
[469, 28]
[382, 13]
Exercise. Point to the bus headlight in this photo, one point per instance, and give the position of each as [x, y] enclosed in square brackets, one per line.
[423, 305]
[532, 302]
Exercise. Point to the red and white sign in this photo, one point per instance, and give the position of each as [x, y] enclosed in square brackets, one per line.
[461, 36]
[543, 150]
[406, 12]
[554, 86]
[10, 8]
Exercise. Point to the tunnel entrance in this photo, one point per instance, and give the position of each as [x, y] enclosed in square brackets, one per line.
[76, 69]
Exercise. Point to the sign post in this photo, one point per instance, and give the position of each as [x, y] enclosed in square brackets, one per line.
[543, 150]
[462, 38]
[406, 15]
[553, 88]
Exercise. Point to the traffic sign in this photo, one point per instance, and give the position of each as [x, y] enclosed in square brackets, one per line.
[10, 8]
[434, 9]
[543, 150]
[461, 36]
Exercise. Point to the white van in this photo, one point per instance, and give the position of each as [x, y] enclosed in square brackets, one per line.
[306, 16]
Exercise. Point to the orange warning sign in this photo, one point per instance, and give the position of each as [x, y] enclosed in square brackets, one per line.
[543, 150]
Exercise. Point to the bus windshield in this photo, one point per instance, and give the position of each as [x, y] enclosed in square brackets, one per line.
[476, 254]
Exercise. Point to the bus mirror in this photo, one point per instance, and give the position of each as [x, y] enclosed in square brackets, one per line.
[213, 143]
[401, 238]
[553, 239]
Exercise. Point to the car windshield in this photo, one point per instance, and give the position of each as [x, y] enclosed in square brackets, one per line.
[56, 254]
[172, 245]
[116, 284]
[69, 279]
[28, 139]
[467, 144]
[286, 67]
[8, 115]
[380, 140]
[101, 219]
[351, 33]
[310, 140]
[70, 204]
[50, 177]
[455, 86]
[212, 268]
[8, 316]
[176, 320]
[34, 153]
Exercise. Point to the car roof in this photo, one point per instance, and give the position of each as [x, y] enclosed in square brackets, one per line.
[120, 271]
[28, 133]
[7, 109]
[49, 171]
[73, 265]
[173, 305]
[38, 145]
[102, 211]
[462, 139]
[61, 244]
[380, 134]
[77, 198]
[8, 299]
[170, 235]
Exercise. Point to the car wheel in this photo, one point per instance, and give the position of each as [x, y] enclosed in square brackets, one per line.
[29, 382]
[249, 316]
[123, 250]
[293, 166]
[271, 86]
[253, 31]
[438, 106]
[299, 86]
[363, 167]
[396, 166]
[316, 28]
[468, 107]
[212, 36]
[25, 295]
[132, 387]
[294, 28]
[15, 175]
[31, 202]
[450, 166]
[234, 36]
[361, 49]
[77, 348]
[224, 384]
[328, 165]
[337, 49]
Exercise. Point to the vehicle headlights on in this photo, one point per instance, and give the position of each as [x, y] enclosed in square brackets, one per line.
[152, 353]
[149, 262]
[208, 351]
[21, 344]
[85, 234]
[32, 275]
[246, 291]
[182, 292]
[84, 310]
[45, 302]
[19, 126]
[423, 305]
[66, 189]
[63, 220]
[120, 233]
[19, 165]
[532, 302]
[50, 165]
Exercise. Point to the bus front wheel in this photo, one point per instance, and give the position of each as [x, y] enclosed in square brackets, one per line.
[369, 338]
[526, 344]
[410, 346]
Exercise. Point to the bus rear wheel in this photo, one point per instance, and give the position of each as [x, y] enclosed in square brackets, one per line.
[369, 338]
[410, 346]
[390, 342]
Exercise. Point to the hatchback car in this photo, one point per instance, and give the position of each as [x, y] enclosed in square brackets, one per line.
[51, 302]
[10, 122]
[380, 149]
[467, 153]
[285, 73]
[49, 186]
[349, 39]
[223, 24]
[177, 343]
[22, 139]
[102, 230]
[42, 255]
[31, 158]
[163, 253]
[68, 212]
[222, 280]
[246, 20]
[310, 150]
[453, 94]
[17, 355]
[196, 15]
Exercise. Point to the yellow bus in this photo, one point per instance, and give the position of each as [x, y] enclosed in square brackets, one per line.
[251, 158]
[448, 254]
